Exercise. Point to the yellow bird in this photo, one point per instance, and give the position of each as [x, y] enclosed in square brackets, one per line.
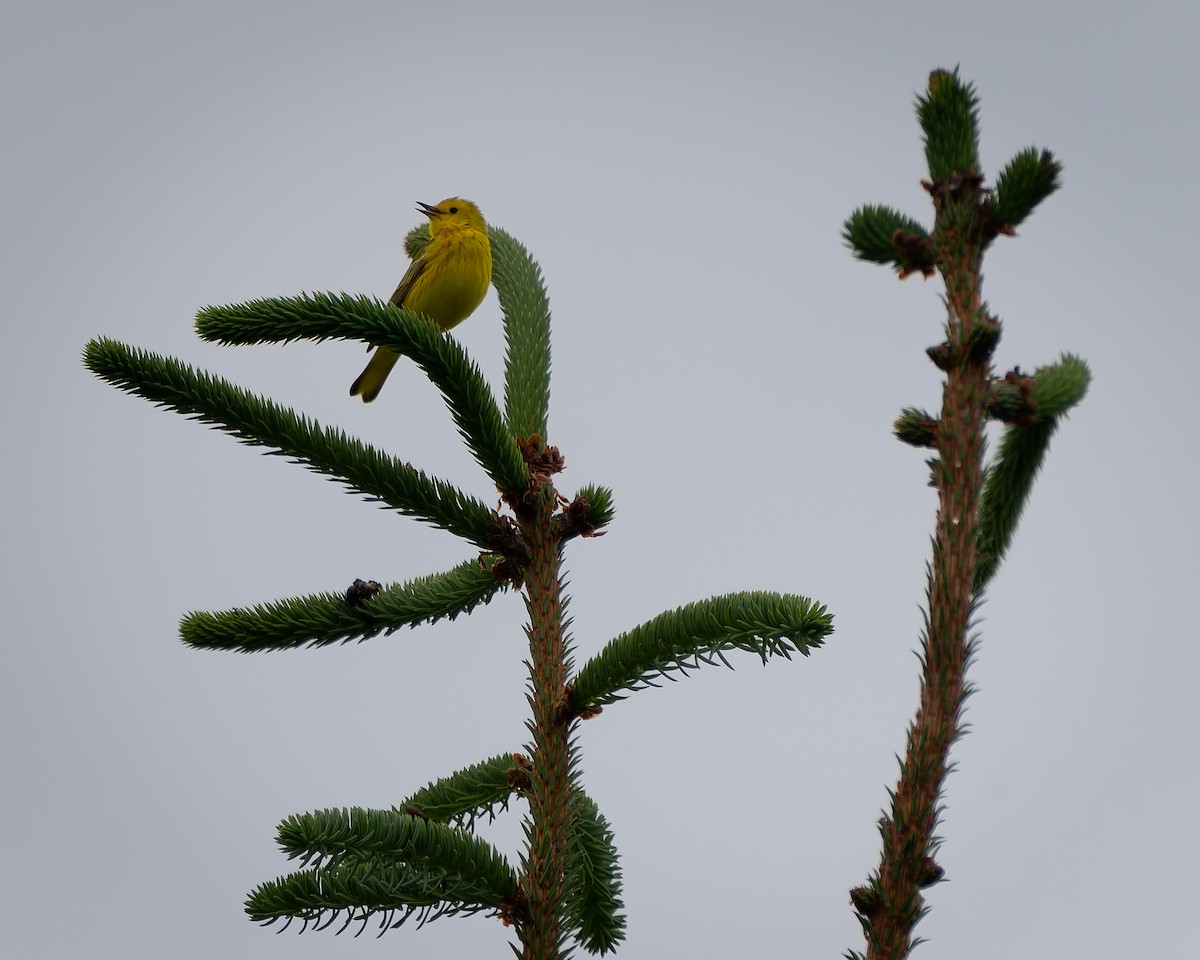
[444, 284]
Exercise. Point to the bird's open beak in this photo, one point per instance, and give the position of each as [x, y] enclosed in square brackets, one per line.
[428, 210]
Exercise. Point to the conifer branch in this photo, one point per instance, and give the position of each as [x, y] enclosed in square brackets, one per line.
[330, 838]
[949, 117]
[417, 239]
[590, 511]
[526, 308]
[325, 618]
[1028, 179]
[975, 522]
[592, 906]
[1022, 450]
[891, 905]
[356, 893]
[916, 428]
[766, 624]
[379, 863]
[259, 422]
[463, 796]
[323, 316]
[879, 234]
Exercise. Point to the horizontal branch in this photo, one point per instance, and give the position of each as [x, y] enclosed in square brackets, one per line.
[323, 316]
[766, 624]
[357, 893]
[259, 422]
[329, 838]
[879, 234]
[461, 797]
[327, 618]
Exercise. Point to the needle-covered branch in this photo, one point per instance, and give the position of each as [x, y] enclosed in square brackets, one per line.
[329, 838]
[766, 624]
[949, 116]
[879, 234]
[1030, 177]
[324, 316]
[526, 308]
[469, 793]
[1056, 389]
[581, 520]
[592, 907]
[978, 510]
[358, 892]
[382, 863]
[259, 422]
[327, 618]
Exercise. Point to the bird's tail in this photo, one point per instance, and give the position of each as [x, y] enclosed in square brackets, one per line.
[371, 380]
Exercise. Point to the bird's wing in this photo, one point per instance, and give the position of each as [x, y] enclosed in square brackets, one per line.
[415, 269]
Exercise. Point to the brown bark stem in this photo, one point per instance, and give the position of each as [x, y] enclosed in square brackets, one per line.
[550, 784]
[909, 842]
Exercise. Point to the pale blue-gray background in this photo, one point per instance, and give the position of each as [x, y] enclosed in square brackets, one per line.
[681, 171]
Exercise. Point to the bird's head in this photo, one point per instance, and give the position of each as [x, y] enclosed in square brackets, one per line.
[452, 213]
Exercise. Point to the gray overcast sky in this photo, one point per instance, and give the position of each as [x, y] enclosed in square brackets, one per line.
[681, 171]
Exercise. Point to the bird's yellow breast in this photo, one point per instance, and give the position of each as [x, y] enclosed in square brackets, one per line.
[455, 280]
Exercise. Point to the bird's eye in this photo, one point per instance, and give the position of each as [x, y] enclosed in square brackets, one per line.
[454, 209]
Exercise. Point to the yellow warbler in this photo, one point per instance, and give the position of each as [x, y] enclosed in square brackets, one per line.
[444, 284]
